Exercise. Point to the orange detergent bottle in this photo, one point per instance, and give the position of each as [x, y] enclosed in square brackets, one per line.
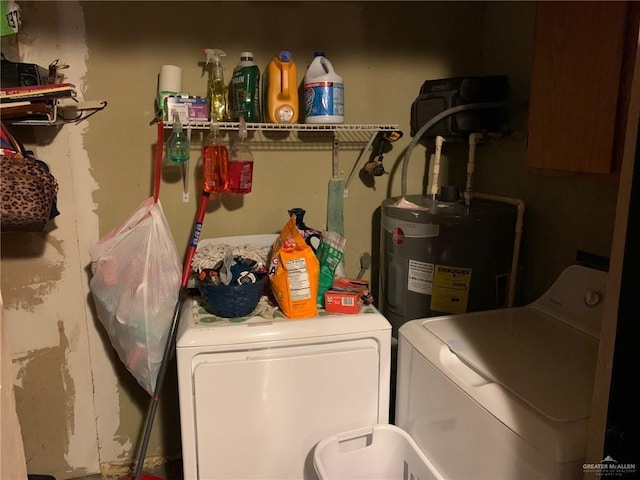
[281, 90]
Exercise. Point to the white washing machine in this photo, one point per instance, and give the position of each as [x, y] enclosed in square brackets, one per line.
[256, 396]
[505, 394]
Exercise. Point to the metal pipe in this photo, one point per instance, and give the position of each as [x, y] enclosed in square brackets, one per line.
[474, 138]
[515, 259]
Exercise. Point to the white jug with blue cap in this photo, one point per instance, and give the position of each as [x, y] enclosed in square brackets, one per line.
[323, 92]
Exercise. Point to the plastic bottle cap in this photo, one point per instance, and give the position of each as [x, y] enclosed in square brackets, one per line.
[318, 54]
[285, 56]
[247, 55]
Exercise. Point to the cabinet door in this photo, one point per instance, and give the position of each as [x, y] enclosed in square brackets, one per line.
[578, 64]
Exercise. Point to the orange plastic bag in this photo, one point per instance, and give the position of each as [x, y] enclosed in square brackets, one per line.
[294, 273]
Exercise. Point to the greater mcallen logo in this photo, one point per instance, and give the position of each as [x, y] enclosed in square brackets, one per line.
[609, 467]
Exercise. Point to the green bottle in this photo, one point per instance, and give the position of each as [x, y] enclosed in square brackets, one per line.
[245, 86]
[178, 145]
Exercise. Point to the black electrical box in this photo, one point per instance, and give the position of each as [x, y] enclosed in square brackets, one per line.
[437, 96]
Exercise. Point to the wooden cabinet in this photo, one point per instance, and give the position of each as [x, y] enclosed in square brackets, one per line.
[582, 64]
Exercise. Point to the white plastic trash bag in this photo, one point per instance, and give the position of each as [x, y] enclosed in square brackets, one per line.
[136, 274]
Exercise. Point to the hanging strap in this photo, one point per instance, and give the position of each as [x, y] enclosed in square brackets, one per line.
[157, 178]
[10, 143]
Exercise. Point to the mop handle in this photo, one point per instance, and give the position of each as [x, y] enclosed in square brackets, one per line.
[168, 347]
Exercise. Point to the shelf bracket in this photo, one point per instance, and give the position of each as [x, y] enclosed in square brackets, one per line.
[335, 157]
[359, 161]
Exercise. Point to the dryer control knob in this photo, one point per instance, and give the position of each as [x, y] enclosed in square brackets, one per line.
[592, 297]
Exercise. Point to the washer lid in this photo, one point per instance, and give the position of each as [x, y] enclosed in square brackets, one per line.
[545, 362]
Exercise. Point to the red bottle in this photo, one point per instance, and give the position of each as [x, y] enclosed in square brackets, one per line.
[215, 162]
[241, 164]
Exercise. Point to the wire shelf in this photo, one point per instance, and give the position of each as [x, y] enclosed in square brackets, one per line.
[317, 127]
[298, 136]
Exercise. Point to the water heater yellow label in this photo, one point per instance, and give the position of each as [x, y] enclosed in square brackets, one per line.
[450, 291]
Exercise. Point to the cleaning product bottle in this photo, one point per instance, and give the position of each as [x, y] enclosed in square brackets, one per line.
[323, 92]
[281, 90]
[240, 163]
[215, 162]
[245, 86]
[178, 145]
[312, 237]
[216, 88]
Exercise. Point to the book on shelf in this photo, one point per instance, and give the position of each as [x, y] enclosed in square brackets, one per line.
[37, 92]
[18, 110]
[18, 103]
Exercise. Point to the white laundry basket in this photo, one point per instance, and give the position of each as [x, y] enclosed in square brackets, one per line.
[378, 452]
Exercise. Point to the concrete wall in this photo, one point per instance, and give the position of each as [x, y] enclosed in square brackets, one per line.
[80, 410]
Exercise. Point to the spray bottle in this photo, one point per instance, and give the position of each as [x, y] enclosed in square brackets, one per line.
[241, 163]
[215, 162]
[178, 144]
[216, 88]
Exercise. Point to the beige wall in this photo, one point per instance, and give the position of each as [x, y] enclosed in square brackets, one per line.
[78, 406]
[44, 284]
[12, 461]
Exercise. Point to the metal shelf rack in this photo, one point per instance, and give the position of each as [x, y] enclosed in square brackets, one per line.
[58, 112]
[297, 136]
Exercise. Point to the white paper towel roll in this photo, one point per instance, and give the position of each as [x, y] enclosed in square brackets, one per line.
[170, 79]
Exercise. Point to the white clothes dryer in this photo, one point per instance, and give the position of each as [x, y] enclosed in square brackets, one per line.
[257, 396]
[505, 394]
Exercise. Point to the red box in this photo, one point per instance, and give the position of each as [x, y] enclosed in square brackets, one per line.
[342, 302]
[345, 295]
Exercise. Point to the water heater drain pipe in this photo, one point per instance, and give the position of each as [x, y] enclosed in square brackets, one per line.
[474, 138]
[515, 259]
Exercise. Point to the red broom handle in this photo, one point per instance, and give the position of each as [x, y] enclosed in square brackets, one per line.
[197, 228]
[157, 178]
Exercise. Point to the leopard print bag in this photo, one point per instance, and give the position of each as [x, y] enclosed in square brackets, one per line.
[27, 194]
[27, 188]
